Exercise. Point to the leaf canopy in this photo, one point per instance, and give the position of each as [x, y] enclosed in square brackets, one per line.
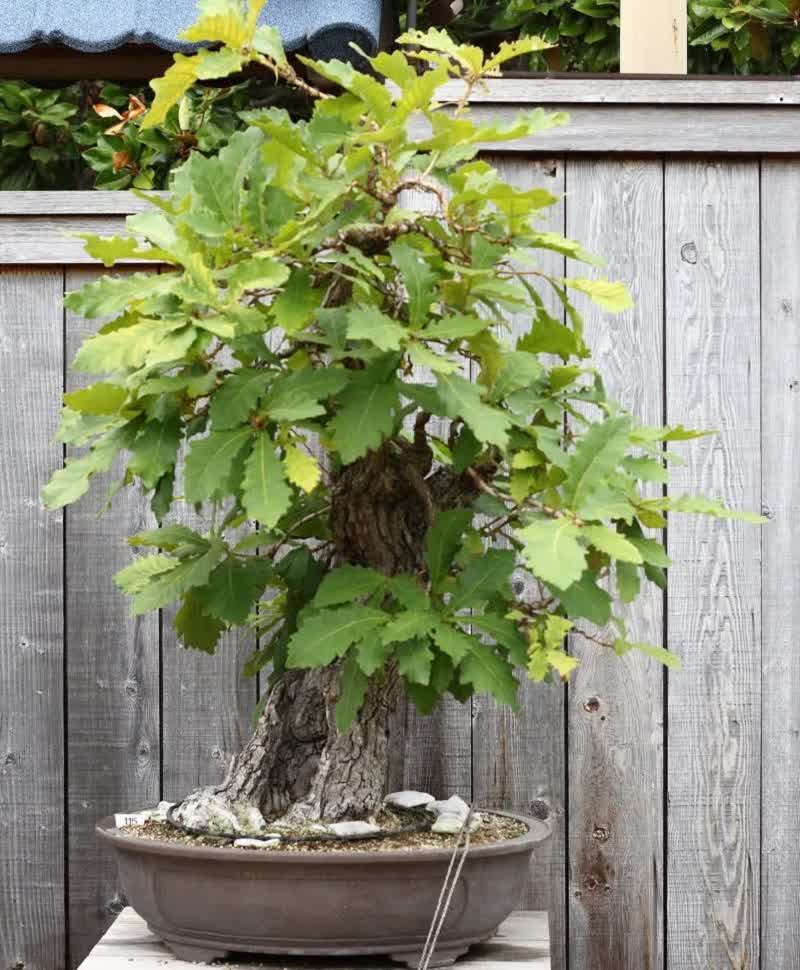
[335, 321]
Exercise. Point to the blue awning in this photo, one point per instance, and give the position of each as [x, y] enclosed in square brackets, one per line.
[325, 27]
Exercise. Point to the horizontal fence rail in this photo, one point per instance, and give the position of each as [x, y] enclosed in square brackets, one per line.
[673, 798]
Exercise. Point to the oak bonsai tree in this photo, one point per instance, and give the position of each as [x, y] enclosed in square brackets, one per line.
[328, 358]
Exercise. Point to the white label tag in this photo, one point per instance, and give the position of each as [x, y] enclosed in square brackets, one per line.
[121, 821]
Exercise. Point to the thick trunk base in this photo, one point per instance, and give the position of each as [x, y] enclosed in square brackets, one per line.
[298, 769]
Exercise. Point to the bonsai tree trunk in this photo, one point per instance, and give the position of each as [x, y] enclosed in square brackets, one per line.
[298, 767]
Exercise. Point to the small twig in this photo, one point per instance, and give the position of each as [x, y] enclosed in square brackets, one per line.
[592, 637]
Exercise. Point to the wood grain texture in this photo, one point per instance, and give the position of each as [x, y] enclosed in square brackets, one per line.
[207, 710]
[518, 759]
[207, 703]
[713, 372]
[620, 89]
[616, 720]
[53, 204]
[780, 383]
[522, 941]
[37, 240]
[644, 129]
[113, 729]
[31, 625]
[653, 37]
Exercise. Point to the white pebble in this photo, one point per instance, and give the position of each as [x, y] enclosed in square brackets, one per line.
[255, 843]
[451, 806]
[409, 799]
[447, 824]
[353, 828]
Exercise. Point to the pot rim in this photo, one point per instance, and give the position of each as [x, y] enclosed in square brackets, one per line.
[538, 832]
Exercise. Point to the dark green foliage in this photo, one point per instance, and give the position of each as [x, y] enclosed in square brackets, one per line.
[89, 135]
[725, 36]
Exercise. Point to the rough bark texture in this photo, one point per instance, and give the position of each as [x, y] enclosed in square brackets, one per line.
[298, 768]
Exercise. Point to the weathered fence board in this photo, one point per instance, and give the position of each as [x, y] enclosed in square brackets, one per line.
[112, 681]
[695, 239]
[615, 707]
[32, 919]
[780, 578]
[713, 381]
[519, 759]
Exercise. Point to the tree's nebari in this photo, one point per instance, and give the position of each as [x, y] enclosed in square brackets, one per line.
[298, 768]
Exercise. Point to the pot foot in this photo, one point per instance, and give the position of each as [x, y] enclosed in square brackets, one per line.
[444, 956]
[196, 954]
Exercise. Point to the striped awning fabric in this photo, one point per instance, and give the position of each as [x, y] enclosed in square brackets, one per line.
[326, 27]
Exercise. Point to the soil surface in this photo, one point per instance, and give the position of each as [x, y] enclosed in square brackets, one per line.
[494, 828]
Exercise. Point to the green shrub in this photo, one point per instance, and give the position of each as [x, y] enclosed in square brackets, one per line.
[725, 36]
[87, 135]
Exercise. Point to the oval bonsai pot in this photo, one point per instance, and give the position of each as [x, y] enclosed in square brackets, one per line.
[206, 903]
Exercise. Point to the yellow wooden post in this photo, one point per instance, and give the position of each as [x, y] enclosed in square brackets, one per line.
[653, 36]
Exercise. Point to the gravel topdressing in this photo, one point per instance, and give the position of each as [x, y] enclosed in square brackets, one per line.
[494, 828]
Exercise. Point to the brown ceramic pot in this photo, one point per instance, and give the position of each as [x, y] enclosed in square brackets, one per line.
[207, 903]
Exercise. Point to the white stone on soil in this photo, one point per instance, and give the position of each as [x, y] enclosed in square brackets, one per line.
[451, 806]
[353, 828]
[256, 843]
[448, 824]
[409, 799]
[207, 812]
[161, 812]
[451, 814]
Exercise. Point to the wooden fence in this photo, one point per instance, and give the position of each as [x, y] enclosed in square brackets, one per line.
[674, 799]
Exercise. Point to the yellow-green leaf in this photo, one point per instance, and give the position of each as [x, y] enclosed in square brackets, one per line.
[302, 469]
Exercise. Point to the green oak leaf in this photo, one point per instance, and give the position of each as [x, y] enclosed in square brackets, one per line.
[483, 577]
[585, 598]
[461, 399]
[166, 587]
[408, 625]
[596, 456]
[195, 627]
[353, 690]
[612, 543]
[487, 671]
[368, 323]
[666, 657]
[233, 589]
[232, 404]
[372, 653]
[414, 660]
[347, 583]
[365, 417]
[327, 634]
[452, 642]
[443, 540]
[552, 550]
[296, 397]
[419, 279]
[265, 492]
[169, 537]
[138, 574]
[209, 462]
